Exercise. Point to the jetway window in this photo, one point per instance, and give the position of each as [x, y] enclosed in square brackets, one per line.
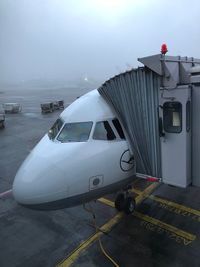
[55, 129]
[75, 132]
[172, 117]
[118, 127]
[103, 131]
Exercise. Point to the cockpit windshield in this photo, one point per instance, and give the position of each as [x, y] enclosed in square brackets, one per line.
[75, 132]
[55, 128]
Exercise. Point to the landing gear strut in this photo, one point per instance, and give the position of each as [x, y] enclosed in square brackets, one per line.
[124, 202]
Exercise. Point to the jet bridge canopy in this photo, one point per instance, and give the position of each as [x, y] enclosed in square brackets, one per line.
[159, 107]
[134, 96]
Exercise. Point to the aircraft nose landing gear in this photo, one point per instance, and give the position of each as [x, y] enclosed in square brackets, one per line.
[124, 202]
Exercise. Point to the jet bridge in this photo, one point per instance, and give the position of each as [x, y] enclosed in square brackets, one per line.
[159, 106]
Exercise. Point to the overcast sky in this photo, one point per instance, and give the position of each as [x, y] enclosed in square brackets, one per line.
[67, 39]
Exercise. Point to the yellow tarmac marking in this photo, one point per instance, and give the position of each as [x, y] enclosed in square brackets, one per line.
[138, 192]
[144, 194]
[165, 226]
[107, 202]
[173, 206]
[105, 228]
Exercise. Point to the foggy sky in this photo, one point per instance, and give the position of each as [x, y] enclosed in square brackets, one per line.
[67, 39]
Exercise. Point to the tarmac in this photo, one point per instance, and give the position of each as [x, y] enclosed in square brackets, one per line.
[163, 231]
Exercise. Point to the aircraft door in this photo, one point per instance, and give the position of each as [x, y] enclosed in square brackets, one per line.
[175, 135]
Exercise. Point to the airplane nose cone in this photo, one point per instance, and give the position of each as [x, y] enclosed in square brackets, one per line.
[38, 181]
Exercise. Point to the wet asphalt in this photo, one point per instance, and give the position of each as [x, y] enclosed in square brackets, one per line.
[44, 238]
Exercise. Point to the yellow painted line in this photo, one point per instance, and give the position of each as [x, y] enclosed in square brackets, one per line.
[144, 194]
[175, 205]
[107, 202]
[158, 223]
[141, 196]
[138, 192]
[170, 203]
[105, 228]
[165, 226]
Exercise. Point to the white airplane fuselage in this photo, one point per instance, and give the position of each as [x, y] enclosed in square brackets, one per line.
[82, 159]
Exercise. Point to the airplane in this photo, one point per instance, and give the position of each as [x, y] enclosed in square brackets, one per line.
[84, 156]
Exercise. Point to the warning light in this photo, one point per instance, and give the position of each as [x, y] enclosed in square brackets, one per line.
[164, 49]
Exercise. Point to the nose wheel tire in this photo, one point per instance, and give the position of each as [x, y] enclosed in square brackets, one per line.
[129, 205]
[126, 204]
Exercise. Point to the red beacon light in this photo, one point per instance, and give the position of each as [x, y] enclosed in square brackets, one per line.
[164, 49]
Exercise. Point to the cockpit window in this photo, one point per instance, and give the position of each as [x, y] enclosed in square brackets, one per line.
[118, 127]
[103, 131]
[54, 130]
[75, 132]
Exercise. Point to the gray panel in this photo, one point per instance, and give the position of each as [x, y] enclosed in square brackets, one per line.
[153, 63]
[176, 146]
[184, 72]
[134, 96]
[196, 136]
[171, 74]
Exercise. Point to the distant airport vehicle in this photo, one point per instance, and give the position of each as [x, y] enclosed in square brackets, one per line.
[12, 107]
[84, 156]
[49, 107]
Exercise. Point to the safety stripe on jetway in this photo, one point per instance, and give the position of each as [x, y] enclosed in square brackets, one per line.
[105, 228]
[173, 206]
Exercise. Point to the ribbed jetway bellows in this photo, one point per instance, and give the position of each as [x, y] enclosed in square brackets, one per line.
[134, 95]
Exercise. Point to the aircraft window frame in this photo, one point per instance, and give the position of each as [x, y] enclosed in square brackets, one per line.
[118, 127]
[78, 136]
[57, 126]
[109, 135]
